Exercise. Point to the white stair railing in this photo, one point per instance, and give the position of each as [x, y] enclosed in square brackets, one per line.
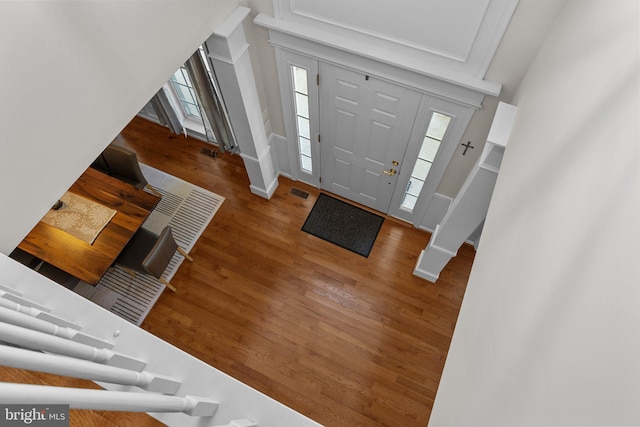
[17, 318]
[66, 366]
[8, 301]
[102, 400]
[72, 353]
[35, 340]
[17, 298]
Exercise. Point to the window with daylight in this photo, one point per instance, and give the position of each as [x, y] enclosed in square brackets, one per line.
[301, 105]
[435, 133]
[187, 96]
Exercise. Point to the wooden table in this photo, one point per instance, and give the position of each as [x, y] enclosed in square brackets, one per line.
[89, 262]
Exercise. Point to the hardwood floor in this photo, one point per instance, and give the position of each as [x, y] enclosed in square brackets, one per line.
[343, 339]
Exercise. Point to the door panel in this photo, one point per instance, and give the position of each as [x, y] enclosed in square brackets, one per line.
[365, 126]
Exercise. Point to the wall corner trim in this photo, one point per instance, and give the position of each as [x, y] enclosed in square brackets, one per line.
[233, 21]
[395, 59]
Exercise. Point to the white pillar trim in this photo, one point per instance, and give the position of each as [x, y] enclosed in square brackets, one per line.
[228, 50]
[469, 209]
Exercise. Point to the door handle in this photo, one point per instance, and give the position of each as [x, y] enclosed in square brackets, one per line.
[390, 172]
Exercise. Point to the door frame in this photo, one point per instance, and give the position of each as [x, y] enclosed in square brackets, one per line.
[291, 49]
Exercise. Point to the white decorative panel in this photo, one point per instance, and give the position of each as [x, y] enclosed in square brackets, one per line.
[385, 103]
[436, 35]
[443, 27]
[347, 92]
[378, 144]
[341, 173]
[370, 184]
[345, 126]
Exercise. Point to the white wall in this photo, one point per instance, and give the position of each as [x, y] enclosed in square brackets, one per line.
[526, 31]
[548, 331]
[73, 75]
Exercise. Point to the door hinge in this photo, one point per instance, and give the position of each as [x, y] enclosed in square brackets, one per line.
[318, 79]
[320, 178]
[318, 137]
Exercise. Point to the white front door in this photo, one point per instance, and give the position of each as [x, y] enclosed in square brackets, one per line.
[365, 124]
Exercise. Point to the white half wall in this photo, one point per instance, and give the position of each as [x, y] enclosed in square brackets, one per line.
[73, 75]
[548, 330]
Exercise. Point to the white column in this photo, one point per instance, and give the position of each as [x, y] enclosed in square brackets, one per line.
[469, 208]
[228, 50]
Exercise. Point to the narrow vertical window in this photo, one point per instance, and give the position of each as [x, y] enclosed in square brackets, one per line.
[184, 89]
[301, 98]
[435, 133]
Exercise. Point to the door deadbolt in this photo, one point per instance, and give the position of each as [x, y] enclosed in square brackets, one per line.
[394, 163]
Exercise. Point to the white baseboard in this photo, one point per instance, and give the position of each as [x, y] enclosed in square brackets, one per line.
[267, 192]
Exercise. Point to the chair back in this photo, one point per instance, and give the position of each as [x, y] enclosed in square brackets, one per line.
[101, 164]
[160, 255]
[123, 164]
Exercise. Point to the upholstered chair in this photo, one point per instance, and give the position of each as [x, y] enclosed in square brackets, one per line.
[149, 253]
[122, 163]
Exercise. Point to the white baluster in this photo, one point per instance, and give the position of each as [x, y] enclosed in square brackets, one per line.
[66, 366]
[15, 298]
[20, 319]
[40, 341]
[34, 312]
[10, 290]
[80, 398]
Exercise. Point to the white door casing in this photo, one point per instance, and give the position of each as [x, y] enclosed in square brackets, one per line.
[365, 124]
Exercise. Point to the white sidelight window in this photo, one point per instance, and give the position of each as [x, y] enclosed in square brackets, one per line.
[184, 89]
[430, 145]
[301, 105]
[300, 158]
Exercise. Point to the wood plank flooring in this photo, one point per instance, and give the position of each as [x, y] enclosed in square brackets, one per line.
[343, 339]
[346, 340]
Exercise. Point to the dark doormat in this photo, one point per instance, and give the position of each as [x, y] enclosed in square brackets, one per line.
[343, 224]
